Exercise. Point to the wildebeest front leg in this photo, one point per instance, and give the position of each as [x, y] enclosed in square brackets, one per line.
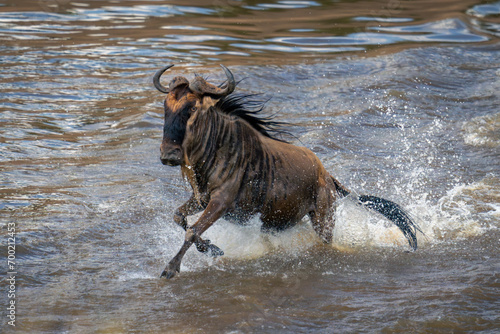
[214, 210]
[192, 207]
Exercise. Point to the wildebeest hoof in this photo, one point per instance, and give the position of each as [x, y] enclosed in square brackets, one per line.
[209, 249]
[171, 270]
[214, 251]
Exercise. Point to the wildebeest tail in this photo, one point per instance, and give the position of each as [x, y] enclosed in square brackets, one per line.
[388, 209]
[340, 189]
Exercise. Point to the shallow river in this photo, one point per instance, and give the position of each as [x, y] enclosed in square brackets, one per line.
[399, 99]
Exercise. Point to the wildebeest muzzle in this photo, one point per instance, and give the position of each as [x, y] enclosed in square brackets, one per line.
[170, 154]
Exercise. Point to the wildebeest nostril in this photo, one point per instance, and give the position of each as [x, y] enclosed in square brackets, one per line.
[170, 162]
[172, 157]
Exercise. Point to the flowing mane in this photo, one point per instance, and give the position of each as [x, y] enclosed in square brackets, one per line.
[249, 108]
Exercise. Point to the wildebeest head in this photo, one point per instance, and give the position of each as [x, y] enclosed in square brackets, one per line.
[183, 99]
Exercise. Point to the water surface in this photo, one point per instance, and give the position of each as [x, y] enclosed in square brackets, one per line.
[398, 99]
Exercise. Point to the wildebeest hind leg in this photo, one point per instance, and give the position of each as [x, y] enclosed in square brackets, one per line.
[323, 214]
[192, 207]
[323, 224]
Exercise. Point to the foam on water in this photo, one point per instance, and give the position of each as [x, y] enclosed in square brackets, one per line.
[465, 211]
[239, 242]
[358, 228]
[248, 242]
[137, 275]
[483, 131]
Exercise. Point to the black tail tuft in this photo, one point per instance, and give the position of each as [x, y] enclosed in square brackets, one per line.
[395, 213]
[388, 209]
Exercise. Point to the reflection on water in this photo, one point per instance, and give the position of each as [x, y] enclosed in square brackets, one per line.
[223, 30]
[397, 98]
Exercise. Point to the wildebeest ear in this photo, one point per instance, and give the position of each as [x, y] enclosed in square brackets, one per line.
[207, 102]
[178, 82]
[200, 86]
[178, 86]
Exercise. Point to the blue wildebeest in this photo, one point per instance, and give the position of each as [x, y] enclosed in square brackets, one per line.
[237, 167]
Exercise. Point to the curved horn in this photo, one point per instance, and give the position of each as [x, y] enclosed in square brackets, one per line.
[231, 84]
[200, 86]
[156, 80]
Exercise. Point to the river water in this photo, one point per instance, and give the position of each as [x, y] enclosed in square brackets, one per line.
[399, 99]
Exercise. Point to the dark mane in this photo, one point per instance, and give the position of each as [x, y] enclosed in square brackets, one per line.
[248, 108]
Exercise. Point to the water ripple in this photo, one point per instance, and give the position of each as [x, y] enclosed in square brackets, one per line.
[136, 12]
[284, 5]
[484, 10]
[450, 30]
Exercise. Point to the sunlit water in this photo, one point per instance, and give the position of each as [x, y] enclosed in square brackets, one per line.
[399, 99]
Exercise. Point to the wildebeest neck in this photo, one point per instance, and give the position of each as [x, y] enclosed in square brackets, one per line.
[220, 147]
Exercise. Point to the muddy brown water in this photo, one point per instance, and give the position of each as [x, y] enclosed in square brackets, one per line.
[399, 99]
